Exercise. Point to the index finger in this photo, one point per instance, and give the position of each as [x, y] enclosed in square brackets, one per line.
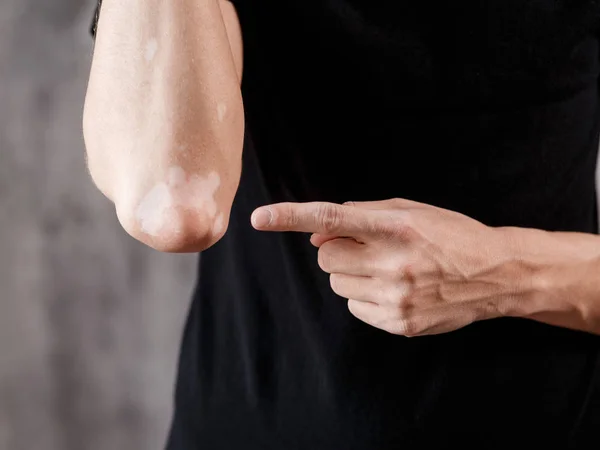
[315, 217]
[392, 203]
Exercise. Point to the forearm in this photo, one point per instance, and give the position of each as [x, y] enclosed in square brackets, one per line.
[163, 119]
[563, 273]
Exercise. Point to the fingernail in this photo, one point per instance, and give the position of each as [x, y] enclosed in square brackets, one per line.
[262, 217]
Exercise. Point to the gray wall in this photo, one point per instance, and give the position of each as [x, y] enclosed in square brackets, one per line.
[90, 321]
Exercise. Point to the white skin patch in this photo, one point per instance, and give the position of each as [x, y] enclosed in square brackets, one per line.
[176, 177]
[221, 111]
[194, 192]
[151, 49]
[151, 212]
[219, 225]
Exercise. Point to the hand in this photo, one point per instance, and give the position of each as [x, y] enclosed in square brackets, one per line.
[406, 267]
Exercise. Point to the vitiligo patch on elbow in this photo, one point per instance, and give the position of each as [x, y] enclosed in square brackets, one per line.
[179, 191]
[151, 49]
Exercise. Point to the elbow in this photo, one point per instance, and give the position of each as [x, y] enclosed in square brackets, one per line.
[175, 229]
[172, 210]
[175, 201]
[181, 213]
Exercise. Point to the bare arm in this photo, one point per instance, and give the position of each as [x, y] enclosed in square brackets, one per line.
[415, 269]
[565, 269]
[163, 118]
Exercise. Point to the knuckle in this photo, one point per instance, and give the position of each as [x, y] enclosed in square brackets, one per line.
[402, 325]
[402, 231]
[385, 226]
[290, 216]
[401, 225]
[404, 318]
[408, 328]
[397, 296]
[404, 273]
[399, 269]
[403, 309]
[395, 268]
[397, 202]
[328, 218]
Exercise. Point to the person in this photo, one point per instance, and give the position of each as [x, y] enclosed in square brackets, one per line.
[395, 207]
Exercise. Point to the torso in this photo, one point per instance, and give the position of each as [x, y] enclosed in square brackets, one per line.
[487, 108]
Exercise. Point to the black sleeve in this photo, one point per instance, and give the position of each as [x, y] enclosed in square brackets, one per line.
[95, 20]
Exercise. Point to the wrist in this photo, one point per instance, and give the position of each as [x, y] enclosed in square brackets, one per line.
[560, 270]
[529, 274]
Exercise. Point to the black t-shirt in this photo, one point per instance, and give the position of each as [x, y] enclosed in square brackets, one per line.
[487, 108]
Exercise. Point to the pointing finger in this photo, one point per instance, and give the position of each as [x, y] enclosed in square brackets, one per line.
[316, 217]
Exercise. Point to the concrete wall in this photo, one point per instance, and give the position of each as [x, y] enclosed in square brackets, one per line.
[90, 321]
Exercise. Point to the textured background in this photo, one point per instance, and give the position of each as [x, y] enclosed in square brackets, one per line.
[90, 321]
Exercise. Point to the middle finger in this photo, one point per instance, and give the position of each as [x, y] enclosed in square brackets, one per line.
[345, 255]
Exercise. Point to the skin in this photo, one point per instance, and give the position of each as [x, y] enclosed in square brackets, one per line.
[164, 92]
[414, 269]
